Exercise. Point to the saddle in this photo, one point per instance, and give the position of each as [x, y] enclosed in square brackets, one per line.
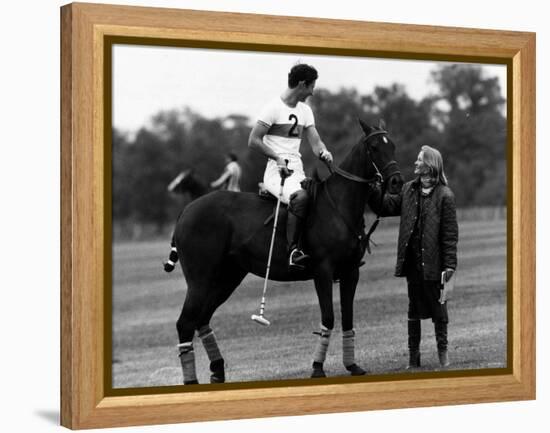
[264, 194]
[313, 188]
[308, 184]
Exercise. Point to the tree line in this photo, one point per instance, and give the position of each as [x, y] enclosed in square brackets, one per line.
[464, 118]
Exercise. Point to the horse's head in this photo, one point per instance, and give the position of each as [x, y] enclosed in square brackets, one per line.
[181, 182]
[380, 151]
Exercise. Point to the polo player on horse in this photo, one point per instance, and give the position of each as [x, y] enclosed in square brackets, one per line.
[222, 236]
[277, 135]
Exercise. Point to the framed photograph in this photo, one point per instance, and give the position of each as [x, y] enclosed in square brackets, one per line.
[267, 216]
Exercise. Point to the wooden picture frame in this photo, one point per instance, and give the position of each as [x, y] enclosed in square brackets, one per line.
[85, 173]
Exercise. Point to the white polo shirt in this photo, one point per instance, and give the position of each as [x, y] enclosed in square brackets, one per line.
[286, 126]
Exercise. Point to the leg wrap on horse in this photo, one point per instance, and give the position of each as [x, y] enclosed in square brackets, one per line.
[187, 359]
[322, 345]
[210, 344]
[348, 353]
[212, 350]
[348, 347]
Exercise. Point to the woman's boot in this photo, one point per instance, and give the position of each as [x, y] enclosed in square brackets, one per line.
[414, 330]
[441, 338]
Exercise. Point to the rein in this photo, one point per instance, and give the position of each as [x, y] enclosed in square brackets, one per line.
[333, 169]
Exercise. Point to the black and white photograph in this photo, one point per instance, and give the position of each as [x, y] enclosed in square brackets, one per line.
[288, 216]
[142, 173]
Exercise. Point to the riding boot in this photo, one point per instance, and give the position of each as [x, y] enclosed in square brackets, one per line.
[414, 330]
[348, 353]
[441, 339]
[297, 258]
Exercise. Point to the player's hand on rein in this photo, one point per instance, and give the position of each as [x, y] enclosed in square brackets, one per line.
[325, 156]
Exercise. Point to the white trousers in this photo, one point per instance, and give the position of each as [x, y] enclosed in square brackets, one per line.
[272, 179]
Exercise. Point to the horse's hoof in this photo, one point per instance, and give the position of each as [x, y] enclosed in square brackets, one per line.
[218, 371]
[317, 371]
[168, 267]
[217, 379]
[191, 382]
[355, 370]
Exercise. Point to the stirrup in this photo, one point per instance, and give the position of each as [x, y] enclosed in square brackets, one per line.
[297, 259]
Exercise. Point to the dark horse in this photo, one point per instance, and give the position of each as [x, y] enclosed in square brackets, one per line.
[188, 182]
[222, 236]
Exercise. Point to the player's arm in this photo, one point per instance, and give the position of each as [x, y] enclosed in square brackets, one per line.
[256, 142]
[222, 179]
[317, 145]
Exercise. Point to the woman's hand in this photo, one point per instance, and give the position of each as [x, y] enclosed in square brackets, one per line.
[448, 274]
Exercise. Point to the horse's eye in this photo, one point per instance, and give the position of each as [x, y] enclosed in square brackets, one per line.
[385, 139]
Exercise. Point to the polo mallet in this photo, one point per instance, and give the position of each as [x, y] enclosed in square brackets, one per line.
[260, 318]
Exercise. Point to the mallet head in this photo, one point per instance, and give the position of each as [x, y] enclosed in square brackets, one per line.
[260, 319]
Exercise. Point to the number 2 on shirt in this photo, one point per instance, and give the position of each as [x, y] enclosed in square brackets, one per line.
[292, 132]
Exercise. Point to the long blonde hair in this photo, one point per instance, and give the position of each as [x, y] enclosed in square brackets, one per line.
[434, 161]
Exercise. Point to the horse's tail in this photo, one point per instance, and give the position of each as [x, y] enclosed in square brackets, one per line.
[170, 264]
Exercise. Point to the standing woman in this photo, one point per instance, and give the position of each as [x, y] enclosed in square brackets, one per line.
[426, 252]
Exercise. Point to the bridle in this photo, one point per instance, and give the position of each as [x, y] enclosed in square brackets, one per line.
[381, 177]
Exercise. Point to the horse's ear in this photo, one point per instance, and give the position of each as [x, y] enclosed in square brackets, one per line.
[382, 124]
[366, 128]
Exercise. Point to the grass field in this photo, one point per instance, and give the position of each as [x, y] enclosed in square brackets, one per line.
[147, 303]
